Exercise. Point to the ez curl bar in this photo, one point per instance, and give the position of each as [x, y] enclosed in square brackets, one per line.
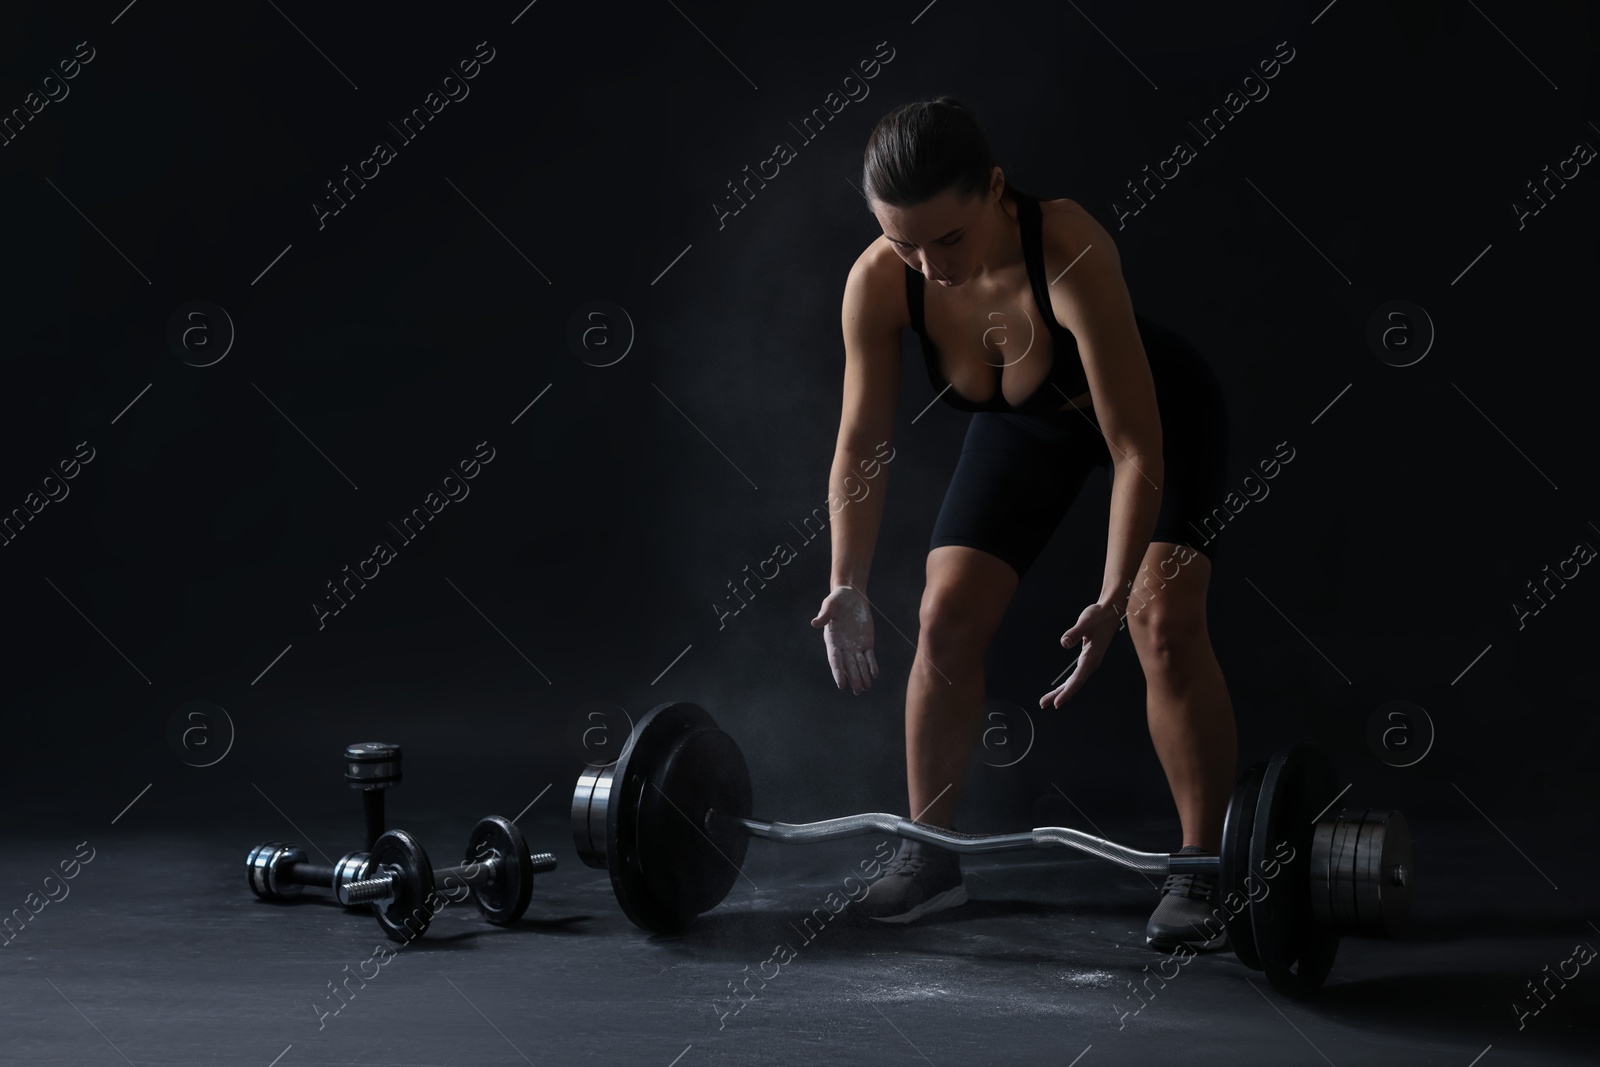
[670, 820]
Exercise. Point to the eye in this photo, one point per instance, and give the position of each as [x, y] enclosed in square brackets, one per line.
[953, 241]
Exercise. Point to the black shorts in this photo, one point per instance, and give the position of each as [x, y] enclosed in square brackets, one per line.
[1018, 474]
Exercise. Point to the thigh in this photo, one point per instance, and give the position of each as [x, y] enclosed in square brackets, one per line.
[1012, 484]
[1195, 438]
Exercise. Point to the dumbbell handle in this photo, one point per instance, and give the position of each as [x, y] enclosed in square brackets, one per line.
[378, 886]
[895, 825]
[311, 874]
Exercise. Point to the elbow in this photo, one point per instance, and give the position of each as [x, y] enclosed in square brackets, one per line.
[1143, 457]
[1139, 458]
[1143, 449]
[860, 447]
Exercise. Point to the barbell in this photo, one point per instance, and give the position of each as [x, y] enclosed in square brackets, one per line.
[670, 819]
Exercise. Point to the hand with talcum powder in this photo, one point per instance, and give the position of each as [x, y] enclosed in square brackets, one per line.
[846, 619]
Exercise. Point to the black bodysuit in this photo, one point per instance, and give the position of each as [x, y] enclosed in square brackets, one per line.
[1021, 467]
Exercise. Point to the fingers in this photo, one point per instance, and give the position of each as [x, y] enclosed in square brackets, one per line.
[872, 661]
[845, 662]
[852, 661]
[836, 661]
[1087, 662]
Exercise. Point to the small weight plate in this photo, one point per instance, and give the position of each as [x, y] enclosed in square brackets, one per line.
[504, 898]
[1296, 950]
[351, 867]
[262, 867]
[634, 830]
[1235, 864]
[591, 800]
[406, 915]
[1342, 869]
[689, 865]
[1382, 904]
[372, 763]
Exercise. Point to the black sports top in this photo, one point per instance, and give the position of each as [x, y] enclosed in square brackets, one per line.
[1066, 366]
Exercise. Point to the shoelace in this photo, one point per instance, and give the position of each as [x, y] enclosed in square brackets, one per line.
[907, 863]
[1193, 886]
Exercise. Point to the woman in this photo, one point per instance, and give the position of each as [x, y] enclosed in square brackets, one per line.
[1025, 321]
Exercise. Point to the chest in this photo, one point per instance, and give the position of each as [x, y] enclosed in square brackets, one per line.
[998, 342]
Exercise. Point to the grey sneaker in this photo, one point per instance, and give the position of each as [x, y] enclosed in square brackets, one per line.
[1184, 916]
[919, 879]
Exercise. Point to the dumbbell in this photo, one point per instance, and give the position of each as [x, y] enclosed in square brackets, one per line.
[401, 884]
[372, 767]
[277, 871]
[670, 820]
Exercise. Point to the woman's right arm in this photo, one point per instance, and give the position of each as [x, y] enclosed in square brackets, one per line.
[858, 480]
[868, 320]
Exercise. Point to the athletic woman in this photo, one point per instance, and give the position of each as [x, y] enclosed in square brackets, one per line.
[1025, 321]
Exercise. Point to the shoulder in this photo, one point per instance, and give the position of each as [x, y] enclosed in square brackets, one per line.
[876, 286]
[1069, 230]
[1082, 265]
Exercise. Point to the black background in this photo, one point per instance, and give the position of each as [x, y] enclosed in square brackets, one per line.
[413, 326]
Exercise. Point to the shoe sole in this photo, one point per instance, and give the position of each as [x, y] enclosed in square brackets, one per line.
[1170, 944]
[950, 898]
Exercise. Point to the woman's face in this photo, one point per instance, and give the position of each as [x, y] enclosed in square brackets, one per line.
[945, 237]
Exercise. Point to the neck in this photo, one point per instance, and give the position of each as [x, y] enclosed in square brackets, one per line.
[1005, 237]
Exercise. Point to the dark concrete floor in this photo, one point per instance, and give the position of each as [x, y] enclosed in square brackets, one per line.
[160, 955]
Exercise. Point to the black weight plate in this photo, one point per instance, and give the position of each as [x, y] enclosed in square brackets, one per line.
[688, 865]
[647, 746]
[1235, 864]
[1296, 950]
[503, 899]
[407, 914]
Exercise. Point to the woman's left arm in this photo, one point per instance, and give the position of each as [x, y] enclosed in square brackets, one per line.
[1091, 299]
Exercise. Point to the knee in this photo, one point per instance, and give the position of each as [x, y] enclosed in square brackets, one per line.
[949, 628]
[1167, 640]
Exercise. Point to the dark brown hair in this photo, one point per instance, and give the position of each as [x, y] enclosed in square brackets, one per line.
[923, 148]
